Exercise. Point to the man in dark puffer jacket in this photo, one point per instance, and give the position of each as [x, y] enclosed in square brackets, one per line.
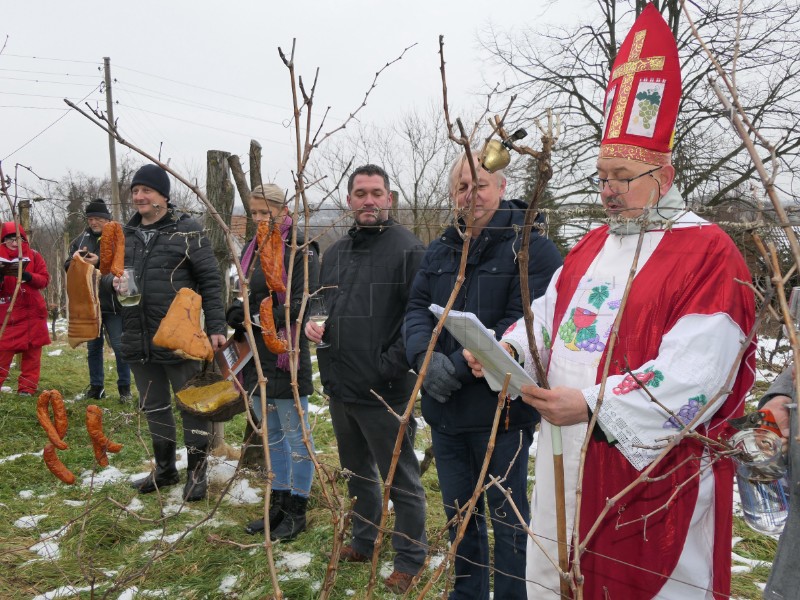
[459, 407]
[167, 251]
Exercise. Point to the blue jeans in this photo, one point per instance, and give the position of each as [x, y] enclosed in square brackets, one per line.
[113, 326]
[289, 456]
[459, 458]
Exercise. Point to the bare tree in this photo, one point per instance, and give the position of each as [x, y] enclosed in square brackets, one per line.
[566, 69]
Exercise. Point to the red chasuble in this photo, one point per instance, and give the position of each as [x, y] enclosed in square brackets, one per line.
[692, 271]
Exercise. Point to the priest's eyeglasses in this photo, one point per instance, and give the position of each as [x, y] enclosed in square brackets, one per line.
[617, 186]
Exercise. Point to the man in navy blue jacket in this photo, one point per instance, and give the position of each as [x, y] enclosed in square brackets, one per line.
[459, 407]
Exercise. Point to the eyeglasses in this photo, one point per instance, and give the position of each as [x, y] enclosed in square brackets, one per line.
[12, 241]
[618, 186]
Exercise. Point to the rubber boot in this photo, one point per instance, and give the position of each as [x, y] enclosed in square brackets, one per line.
[294, 520]
[165, 473]
[196, 480]
[277, 503]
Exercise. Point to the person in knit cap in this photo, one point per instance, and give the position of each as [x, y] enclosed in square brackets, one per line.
[88, 245]
[167, 251]
[680, 360]
[25, 330]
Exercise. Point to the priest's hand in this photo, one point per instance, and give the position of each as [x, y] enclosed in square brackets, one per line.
[559, 406]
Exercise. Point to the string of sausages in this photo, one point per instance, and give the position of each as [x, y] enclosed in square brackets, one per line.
[270, 253]
[56, 430]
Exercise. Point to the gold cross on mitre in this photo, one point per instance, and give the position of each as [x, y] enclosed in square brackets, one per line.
[626, 71]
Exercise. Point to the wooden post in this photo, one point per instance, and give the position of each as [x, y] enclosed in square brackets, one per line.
[116, 209]
[25, 216]
[219, 191]
[255, 164]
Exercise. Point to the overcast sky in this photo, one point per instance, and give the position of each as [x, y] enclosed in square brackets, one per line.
[199, 75]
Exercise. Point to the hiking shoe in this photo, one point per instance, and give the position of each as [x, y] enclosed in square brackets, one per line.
[95, 392]
[25, 394]
[398, 582]
[348, 554]
[125, 395]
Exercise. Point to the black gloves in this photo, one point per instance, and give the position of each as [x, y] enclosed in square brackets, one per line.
[235, 315]
[440, 379]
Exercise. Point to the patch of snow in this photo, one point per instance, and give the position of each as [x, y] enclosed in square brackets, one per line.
[315, 376]
[74, 502]
[750, 563]
[158, 535]
[135, 592]
[228, 583]
[420, 455]
[221, 471]
[294, 560]
[241, 492]
[292, 575]
[435, 561]
[135, 505]
[14, 457]
[759, 585]
[98, 479]
[386, 569]
[28, 522]
[66, 591]
[421, 424]
[47, 549]
[55, 352]
[6, 388]
[26, 494]
[313, 409]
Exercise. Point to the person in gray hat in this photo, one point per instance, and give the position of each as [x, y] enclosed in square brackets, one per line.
[88, 244]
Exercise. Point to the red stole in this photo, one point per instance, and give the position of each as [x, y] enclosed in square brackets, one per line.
[700, 265]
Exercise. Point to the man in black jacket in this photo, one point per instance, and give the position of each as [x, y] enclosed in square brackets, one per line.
[366, 277]
[167, 252]
[459, 407]
[88, 243]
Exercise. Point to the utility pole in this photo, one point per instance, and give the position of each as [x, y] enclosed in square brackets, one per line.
[116, 209]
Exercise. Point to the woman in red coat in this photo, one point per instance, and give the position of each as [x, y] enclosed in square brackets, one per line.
[26, 330]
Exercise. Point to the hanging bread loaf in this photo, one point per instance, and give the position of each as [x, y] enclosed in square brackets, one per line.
[270, 253]
[180, 329]
[55, 432]
[84, 318]
[275, 344]
[100, 443]
[112, 249]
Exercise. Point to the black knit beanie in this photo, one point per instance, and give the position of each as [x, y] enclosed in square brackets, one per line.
[153, 177]
[98, 208]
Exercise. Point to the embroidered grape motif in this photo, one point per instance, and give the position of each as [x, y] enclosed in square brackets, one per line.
[648, 106]
[650, 378]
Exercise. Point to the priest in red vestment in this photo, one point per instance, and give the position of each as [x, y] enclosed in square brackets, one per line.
[681, 360]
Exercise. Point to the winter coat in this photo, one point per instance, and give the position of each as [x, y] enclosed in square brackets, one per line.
[27, 325]
[91, 241]
[166, 256]
[492, 292]
[279, 381]
[367, 276]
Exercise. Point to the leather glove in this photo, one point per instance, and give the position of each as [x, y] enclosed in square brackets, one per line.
[440, 381]
[235, 315]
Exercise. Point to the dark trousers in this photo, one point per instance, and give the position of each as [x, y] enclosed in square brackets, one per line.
[366, 436]
[112, 323]
[155, 400]
[459, 458]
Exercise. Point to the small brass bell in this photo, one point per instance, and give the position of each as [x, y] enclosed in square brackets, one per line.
[496, 155]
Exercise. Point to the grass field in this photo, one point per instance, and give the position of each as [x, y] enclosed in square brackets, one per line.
[100, 539]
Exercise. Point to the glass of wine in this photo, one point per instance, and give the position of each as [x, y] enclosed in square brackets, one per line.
[128, 292]
[318, 314]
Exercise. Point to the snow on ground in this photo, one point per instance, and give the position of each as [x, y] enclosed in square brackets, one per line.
[294, 560]
[29, 522]
[66, 591]
[313, 409]
[74, 502]
[228, 584]
[155, 535]
[135, 592]
[14, 457]
[97, 479]
[55, 352]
